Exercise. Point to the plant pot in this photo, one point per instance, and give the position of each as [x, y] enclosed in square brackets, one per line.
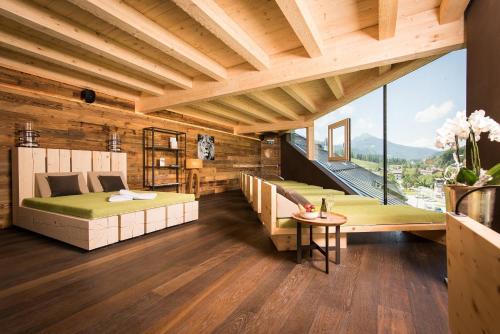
[479, 205]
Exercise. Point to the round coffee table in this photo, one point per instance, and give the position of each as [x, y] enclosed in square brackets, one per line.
[332, 220]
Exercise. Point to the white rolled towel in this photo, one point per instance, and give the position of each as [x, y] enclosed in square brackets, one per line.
[137, 196]
[120, 198]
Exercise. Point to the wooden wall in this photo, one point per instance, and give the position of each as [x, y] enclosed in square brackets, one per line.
[65, 122]
[483, 75]
[270, 156]
[483, 68]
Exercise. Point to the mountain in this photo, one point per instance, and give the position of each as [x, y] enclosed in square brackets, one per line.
[368, 144]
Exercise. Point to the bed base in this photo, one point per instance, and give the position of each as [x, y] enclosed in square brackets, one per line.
[95, 233]
[273, 206]
[84, 233]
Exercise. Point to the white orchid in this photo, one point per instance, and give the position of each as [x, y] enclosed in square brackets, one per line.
[460, 126]
[480, 123]
[452, 129]
[470, 129]
[494, 134]
[445, 138]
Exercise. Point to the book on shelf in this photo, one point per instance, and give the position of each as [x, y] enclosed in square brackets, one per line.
[173, 142]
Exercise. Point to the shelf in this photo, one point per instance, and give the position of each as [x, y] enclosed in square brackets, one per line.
[163, 148]
[165, 131]
[165, 167]
[172, 184]
[155, 146]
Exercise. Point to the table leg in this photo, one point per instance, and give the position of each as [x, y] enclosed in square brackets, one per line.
[337, 244]
[310, 241]
[327, 247]
[299, 243]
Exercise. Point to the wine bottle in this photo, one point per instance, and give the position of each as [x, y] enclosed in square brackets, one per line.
[323, 210]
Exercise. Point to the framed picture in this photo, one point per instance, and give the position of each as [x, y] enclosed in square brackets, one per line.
[206, 147]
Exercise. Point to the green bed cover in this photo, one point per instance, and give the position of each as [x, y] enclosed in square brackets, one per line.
[96, 205]
[379, 215]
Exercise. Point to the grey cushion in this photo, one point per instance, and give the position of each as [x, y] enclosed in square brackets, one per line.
[292, 195]
[42, 188]
[95, 185]
[296, 198]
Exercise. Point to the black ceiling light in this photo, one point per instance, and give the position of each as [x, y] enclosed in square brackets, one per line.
[88, 95]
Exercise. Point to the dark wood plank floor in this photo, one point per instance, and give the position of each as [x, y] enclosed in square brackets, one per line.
[220, 274]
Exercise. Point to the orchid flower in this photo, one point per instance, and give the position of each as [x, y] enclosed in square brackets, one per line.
[462, 128]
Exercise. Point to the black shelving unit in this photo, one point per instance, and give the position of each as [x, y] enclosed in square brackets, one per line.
[156, 143]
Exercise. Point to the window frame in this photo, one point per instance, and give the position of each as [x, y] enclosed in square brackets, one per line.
[346, 123]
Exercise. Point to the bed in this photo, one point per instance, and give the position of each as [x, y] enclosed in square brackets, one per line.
[364, 214]
[89, 220]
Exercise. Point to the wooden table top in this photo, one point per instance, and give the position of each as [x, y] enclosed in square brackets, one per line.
[332, 219]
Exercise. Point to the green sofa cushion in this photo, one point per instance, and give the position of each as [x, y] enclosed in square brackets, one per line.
[299, 186]
[351, 200]
[304, 189]
[287, 182]
[96, 205]
[379, 215]
[319, 192]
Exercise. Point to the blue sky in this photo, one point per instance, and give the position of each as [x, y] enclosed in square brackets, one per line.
[418, 104]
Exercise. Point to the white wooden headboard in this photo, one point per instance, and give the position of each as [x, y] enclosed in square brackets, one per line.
[28, 161]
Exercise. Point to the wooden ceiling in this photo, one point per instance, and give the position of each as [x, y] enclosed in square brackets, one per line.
[250, 66]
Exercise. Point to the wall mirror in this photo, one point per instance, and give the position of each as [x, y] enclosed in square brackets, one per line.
[339, 140]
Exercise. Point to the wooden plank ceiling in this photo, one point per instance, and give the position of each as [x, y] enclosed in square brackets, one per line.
[249, 66]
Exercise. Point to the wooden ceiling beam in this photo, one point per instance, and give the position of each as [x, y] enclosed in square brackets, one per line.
[56, 56]
[418, 36]
[302, 22]
[384, 69]
[280, 126]
[301, 97]
[272, 103]
[224, 112]
[452, 10]
[202, 115]
[31, 66]
[135, 23]
[371, 82]
[237, 103]
[47, 22]
[335, 85]
[215, 19]
[387, 18]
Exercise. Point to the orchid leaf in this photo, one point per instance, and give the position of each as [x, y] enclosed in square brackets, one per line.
[495, 174]
[466, 176]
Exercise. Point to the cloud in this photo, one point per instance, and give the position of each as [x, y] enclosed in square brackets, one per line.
[364, 124]
[423, 142]
[434, 112]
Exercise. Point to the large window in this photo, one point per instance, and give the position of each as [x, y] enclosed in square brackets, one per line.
[417, 104]
[298, 139]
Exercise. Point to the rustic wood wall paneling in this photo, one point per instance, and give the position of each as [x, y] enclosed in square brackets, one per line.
[270, 157]
[66, 123]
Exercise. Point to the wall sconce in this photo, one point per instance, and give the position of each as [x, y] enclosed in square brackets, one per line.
[28, 137]
[114, 142]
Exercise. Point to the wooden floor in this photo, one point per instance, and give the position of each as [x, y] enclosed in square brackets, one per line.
[220, 274]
